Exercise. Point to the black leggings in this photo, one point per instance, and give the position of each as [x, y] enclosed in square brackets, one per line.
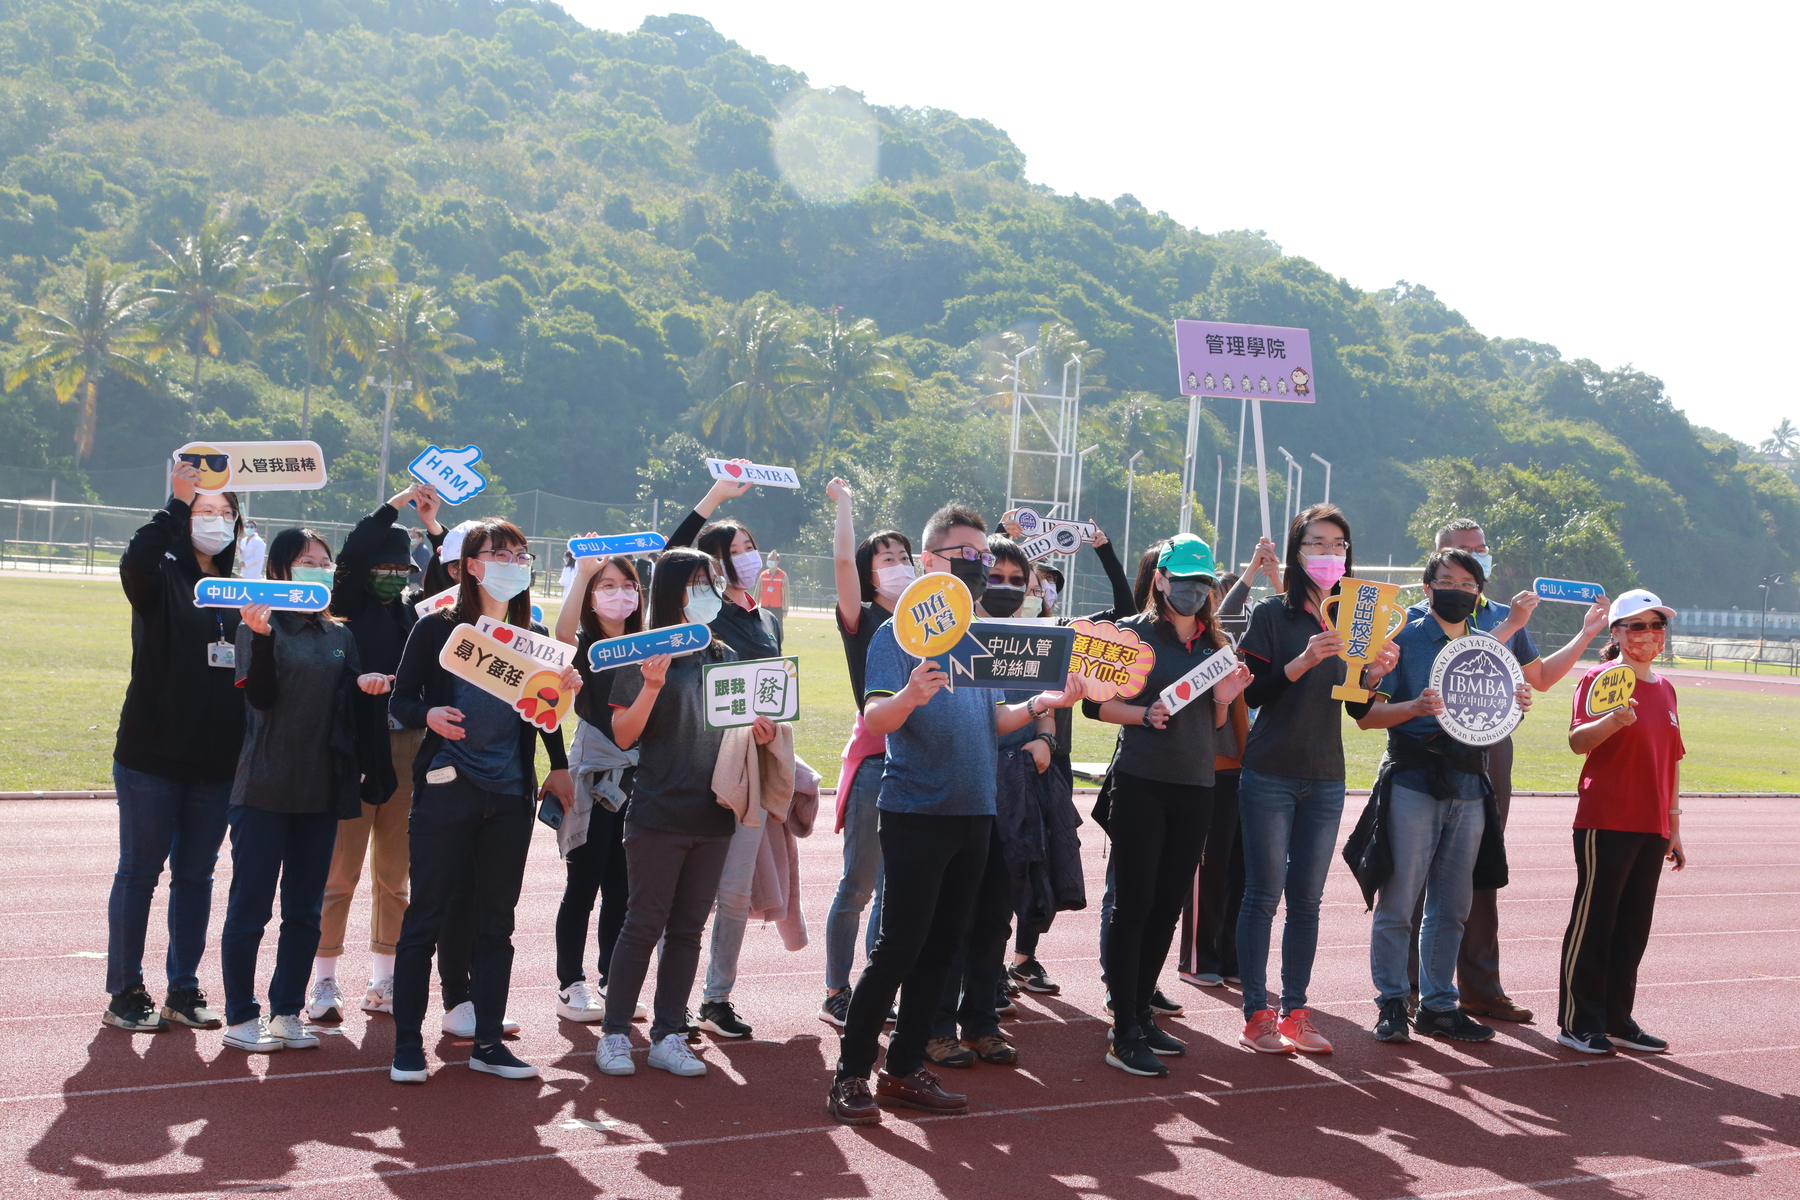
[594, 868]
[1158, 831]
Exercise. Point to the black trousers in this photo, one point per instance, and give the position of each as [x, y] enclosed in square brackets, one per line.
[594, 868]
[1209, 917]
[1158, 832]
[1616, 875]
[931, 872]
[973, 982]
[472, 843]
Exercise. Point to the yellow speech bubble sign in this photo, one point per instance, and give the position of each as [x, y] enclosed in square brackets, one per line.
[932, 615]
[1611, 690]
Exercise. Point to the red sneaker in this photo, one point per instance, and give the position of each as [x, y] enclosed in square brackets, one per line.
[1260, 1034]
[1297, 1030]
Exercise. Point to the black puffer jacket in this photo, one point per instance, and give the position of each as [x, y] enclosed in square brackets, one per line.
[1368, 849]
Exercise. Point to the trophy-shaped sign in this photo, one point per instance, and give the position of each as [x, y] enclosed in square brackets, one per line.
[1366, 621]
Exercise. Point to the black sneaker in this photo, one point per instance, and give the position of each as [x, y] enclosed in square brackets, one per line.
[1131, 1054]
[1161, 1043]
[1587, 1043]
[1634, 1038]
[1391, 1025]
[836, 1010]
[693, 1030]
[717, 1016]
[409, 1065]
[1003, 1002]
[496, 1059]
[893, 1016]
[1031, 975]
[1160, 1003]
[188, 1005]
[133, 1011]
[1453, 1024]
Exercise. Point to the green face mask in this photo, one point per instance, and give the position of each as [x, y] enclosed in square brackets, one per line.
[311, 575]
[386, 587]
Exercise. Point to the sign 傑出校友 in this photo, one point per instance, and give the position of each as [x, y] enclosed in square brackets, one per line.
[1115, 662]
[1611, 690]
[1260, 362]
[1199, 681]
[533, 690]
[1478, 680]
[1012, 654]
[451, 472]
[733, 472]
[636, 647]
[932, 615]
[736, 693]
[1568, 591]
[255, 466]
[1367, 619]
[545, 651]
[286, 595]
[618, 543]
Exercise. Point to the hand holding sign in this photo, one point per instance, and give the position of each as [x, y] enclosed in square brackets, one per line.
[283, 595]
[594, 546]
[1611, 691]
[1568, 591]
[1214, 671]
[742, 471]
[254, 466]
[451, 472]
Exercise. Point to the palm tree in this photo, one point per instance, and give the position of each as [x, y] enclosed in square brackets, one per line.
[413, 340]
[756, 410]
[206, 274]
[327, 301]
[1784, 439]
[849, 367]
[1040, 372]
[104, 331]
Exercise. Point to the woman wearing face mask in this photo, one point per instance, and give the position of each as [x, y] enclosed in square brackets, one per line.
[677, 834]
[180, 731]
[368, 591]
[603, 777]
[870, 577]
[1627, 822]
[739, 622]
[296, 780]
[474, 782]
[1291, 789]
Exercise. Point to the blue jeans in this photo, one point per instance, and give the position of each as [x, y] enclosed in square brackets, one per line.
[162, 821]
[1434, 843]
[731, 911]
[862, 876]
[266, 847]
[1289, 827]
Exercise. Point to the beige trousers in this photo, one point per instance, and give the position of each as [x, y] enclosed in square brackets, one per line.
[381, 833]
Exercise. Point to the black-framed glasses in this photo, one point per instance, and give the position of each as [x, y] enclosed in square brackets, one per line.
[208, 462]
[389, 573]
[966, 553]
[1643, 626]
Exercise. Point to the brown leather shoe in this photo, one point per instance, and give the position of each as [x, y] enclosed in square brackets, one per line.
[994, 1049]
[949, 1052]
[852, 1104]
[1501, 1008]
[919, 1090]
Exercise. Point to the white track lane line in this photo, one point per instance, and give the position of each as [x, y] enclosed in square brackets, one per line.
[1608, 1177]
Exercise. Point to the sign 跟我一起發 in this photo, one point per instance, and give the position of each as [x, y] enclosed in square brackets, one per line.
[736, 693]
[1478, 680]
[1231, 361]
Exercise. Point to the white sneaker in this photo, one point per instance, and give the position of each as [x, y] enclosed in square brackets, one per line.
[380, 996]
[613, 1055]
[255, 1037]
[460, 1021]
[293, 1032]
[327, 1003]
[577, 1002]
[672, 1055]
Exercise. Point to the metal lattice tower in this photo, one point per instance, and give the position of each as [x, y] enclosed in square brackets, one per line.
[1043, 469]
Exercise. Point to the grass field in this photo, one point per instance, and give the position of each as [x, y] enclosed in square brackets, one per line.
[65, 647]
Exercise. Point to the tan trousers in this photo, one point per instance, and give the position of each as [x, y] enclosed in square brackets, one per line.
[381, 833]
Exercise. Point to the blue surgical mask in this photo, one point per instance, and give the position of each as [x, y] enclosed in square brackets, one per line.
[311, 575]
[703, 604]
[503, 581]
[1487, 564]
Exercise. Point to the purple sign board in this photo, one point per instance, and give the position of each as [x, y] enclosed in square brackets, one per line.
[1261, 362]
[1478, 679]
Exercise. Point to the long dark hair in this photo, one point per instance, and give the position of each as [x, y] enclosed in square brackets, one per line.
[590, 620]
[1146, 574]
[288, 545]
[1296, 579]
[866, 551]
[675, 569]
[1208, 615]
[489, 533]
[224, 559]
[716, 538]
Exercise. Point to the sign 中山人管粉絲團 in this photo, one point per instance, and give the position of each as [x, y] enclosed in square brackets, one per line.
[732, 472]
[1025, 654]
[618, 543]
[451, 472]
[1261, 362]
[636, 647]
[545, 651]
[282, 594]
[1611, 689]
[1568, 591]
[1199, 681]
[1115, 662]
[255, 466]
[532, 690]
[444, 599]
[932, 615]
[1478, 680]
[736, 693]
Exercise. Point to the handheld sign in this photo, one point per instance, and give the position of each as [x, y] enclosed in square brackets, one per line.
[1026, 519]
[451, 472]
[1568, 591]
[532, 691]
[932, 615]
[1058, 537]
[1611, 690]
[1009, 654]
[736, 693]
[732, 472]
[1478, 679]
[255, 466]
[1367, 619]
[279, 594]
[1199, 681]
[618, 543]
[1115, 662]
[636, 647]
[444, 599]
[1261, 362]
[545, 651]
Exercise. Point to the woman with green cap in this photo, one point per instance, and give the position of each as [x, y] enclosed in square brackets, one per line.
[1160, 791]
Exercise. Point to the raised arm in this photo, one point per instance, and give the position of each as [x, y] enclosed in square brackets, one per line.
[843, 557]
[720, 491]
[1122, 599]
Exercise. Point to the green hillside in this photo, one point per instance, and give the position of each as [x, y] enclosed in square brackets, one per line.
[621, 276]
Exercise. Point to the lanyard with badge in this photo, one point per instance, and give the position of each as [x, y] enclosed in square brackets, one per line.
[221, 653]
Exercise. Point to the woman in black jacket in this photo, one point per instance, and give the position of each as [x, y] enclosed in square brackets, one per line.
[473, 783]
[180, 731]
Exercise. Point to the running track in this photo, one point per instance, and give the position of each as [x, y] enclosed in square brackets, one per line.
[93, 1110]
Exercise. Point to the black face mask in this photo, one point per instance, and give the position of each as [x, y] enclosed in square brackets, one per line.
[973, 575]
[1002, 600]
[1186, 596]
[1453, 605]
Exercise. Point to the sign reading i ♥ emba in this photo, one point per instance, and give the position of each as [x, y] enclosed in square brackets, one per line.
[737, 472]
[255, 466]
[444, 599]
[276, 593]
[545, 650]
[451, 472]
[1479, 681]
[1199, 681]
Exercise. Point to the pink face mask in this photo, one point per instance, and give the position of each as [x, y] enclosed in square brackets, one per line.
[1323, 569]
[615, 606]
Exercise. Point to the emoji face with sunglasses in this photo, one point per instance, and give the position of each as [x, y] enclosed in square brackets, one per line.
[214, 467]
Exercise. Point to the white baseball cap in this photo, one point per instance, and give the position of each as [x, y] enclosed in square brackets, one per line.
[1635, 601]
[451, 550]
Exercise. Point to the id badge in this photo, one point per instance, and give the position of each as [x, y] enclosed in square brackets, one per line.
[221, 654]
[445, 774]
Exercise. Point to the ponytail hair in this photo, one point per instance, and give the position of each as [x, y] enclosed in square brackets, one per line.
[1609, 651]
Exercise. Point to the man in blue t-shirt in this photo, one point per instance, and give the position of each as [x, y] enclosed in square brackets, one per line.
[937, 812]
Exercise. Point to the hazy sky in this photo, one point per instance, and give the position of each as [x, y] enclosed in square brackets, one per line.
[1605, 178]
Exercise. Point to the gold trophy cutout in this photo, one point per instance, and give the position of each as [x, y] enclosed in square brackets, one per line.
[1364, 612]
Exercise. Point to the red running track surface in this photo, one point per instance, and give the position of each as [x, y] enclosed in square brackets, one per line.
[92, 1110]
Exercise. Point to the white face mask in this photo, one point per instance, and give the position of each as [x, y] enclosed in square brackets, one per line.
[747, 566]
[1487, 565]
[210, 534]
[891, 581]
[703, 604]
[503, 581]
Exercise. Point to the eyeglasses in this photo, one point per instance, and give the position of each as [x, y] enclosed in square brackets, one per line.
[390, 573]
[966, 553]
[614, 589]
[209, 462]
[1446, 585]
[1643, 626]
[516, 557]
[1319, 545]
[998, 580]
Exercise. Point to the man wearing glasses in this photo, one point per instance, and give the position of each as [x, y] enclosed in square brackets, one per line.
[937, 813]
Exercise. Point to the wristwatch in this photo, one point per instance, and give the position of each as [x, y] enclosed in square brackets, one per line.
[1049, 739]
[1146, 721]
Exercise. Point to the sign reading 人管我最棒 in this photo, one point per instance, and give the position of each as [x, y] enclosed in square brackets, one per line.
[735, 472]
[451, 472]
[1568, 591]
[1199, 681]
[736, 693]
[932, 615]
[1263, 362]
[1611, 689]
[533, 690]
[255, 466]
[1478, 680]
[545, 651]
[636, 647]
[618, 543]
[276, 593]
[1115, 662]
[1012, 654]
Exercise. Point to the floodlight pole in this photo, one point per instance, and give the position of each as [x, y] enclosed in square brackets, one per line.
[387, 428]
[1188, 466]
[1296, 478]
[1130, 482]
[1316, 458]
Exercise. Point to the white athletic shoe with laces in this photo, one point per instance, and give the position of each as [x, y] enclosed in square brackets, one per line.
[460, 1021]
[380, 996]
[672, 1055]
[327, 1003]
[293, 1032]
[577, 1002]
[253, 1036]
[613, 1055]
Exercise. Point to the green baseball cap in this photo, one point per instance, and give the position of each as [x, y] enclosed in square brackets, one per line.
[1187, 555]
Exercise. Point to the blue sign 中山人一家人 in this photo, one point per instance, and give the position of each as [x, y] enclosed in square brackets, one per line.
[1569, 591]
[618, 543]
[283, 594]
[451, 472]
[636, 647]
[1479, 681]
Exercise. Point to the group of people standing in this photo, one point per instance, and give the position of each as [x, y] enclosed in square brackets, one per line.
[324, 741]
